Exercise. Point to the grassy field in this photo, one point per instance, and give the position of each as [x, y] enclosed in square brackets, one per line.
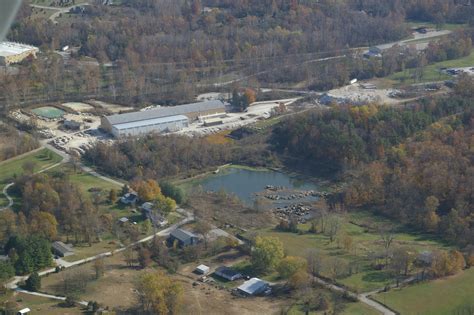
[438, 297]
[85, 180]
[8, 169]
[39, 305]
[358, 309]
[365, 242]
[446, 26]
[43, 158]
[115, 289]
[47, 3]
[432, 72]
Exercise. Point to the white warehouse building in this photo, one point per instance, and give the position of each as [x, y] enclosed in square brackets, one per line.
[159, 125]
[162, 119]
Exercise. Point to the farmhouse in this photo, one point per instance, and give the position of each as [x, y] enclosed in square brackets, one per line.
[183, 237]
[61, 249]
[228, 273]
[156, 218]
[129, 198]
[162, 119]
[14, 52]
[253, 286]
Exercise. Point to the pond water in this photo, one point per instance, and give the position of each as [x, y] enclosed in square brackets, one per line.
[49, 112]
[245, 183]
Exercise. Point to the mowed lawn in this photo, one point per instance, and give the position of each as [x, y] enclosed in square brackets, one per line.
[8, 169]
[439, 297]
[432, 72]
[43, 158]
[86, 181]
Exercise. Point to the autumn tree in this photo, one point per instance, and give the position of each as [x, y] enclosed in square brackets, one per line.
[147, 190]
[159, 294]
[289, 265]
[144, 257]
[99, 267]
[334, 225]
[113, 196]
[203, 228]
[267, 253]
[447, 263]
[43, 224]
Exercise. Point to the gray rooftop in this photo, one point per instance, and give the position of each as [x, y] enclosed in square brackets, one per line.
[182, 235]
[150, 122]
[12, 49]
[253, 286]
[165, 112]
[61, 247]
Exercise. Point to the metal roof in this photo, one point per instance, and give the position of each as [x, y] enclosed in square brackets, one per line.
[182, 235]
[227, 272]
[150, 122]
[61, 247]
[12, 49]
[252, 286]
[165, 111]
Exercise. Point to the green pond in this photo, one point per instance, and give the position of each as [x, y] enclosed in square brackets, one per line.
[245, 183]
[49, 112]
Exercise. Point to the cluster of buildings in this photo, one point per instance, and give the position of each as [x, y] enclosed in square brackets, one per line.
[250, 287]
[160, 120]
[131, 198]
[11, 52]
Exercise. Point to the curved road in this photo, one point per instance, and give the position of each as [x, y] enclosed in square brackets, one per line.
[10, 200]
[59, 11]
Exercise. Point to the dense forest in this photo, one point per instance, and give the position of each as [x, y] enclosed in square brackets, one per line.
[159, 157]
[412, 163]
[426, 182]
[346, 136]
[165, 51]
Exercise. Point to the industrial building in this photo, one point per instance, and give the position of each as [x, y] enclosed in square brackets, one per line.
[162, 119]
[137, 128]
[14, 52]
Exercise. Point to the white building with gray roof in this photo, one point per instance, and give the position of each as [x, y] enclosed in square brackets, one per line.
[162, 119]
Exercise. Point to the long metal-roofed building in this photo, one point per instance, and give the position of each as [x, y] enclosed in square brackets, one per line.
[11, 52]
[162, 119]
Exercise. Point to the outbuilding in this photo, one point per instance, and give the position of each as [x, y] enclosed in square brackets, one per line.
[61, 249]
[183, 237]
[253, 286]
[228, 273]
[202, 270]
[23, 311]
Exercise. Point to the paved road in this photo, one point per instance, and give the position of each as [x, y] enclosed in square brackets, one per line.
[364, 297]
[59, 11]
[10, 200]
[13, 285]
[5, 189]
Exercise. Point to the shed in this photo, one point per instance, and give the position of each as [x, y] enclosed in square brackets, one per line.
[23, 311]
[253, 286]
[61, 249]
[228, 273]
[202, 270]
[184, 238]
[123, 220]
[72, 125]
